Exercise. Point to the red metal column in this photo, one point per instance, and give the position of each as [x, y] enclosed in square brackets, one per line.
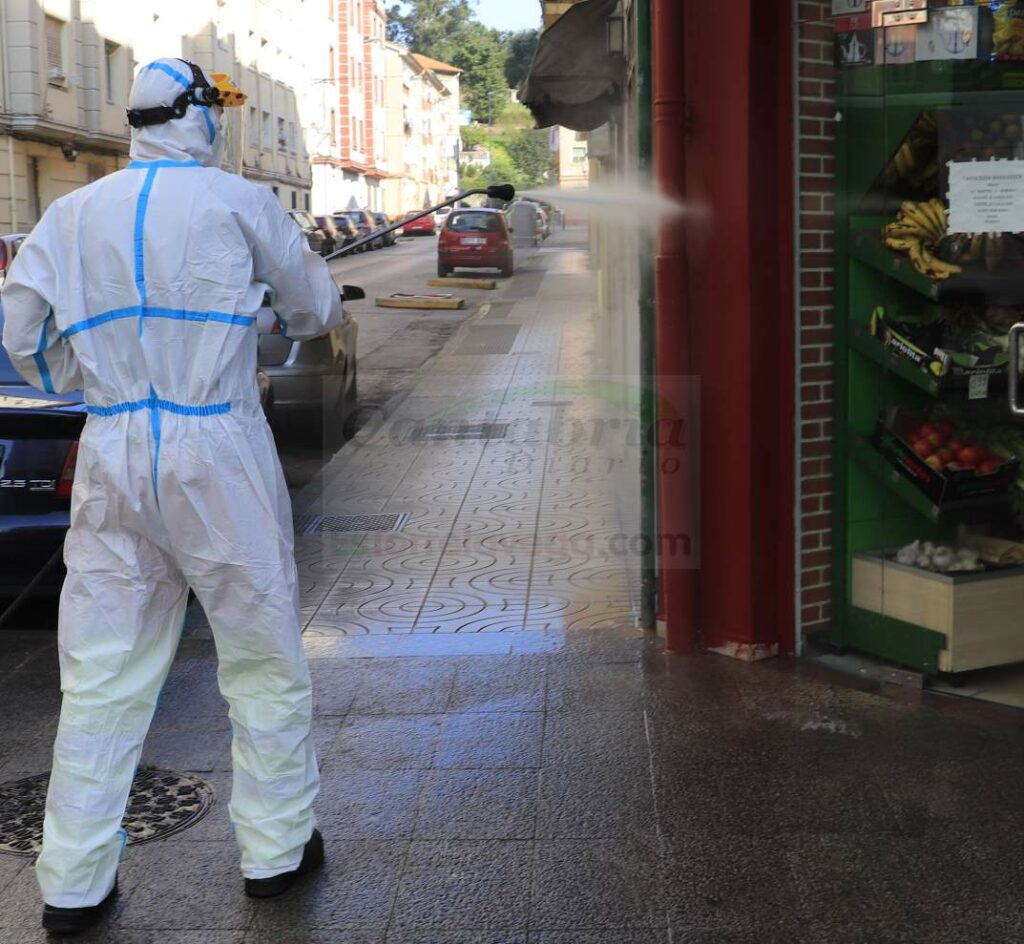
[722, 105]
[678, 496]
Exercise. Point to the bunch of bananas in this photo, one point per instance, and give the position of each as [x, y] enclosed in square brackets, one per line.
[974, 248]
[916, 161]
[917, 230]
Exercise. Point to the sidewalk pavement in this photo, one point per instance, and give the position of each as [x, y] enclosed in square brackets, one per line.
[506, 759]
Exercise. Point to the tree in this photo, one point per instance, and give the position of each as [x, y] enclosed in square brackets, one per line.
[531, 153]
[448, 30]
[426, 25]
[477, 51]
[522, 47]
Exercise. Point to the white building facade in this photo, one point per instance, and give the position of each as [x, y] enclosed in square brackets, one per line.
[66, 68]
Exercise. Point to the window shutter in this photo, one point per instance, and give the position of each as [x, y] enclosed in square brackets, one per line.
[54, 47]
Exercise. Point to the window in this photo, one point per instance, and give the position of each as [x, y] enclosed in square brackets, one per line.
[282, 141]
[265, 137]
[334, 128]
[307, 201]
[254, 127]
[291, 136]
[579, 155]
[330, 65]
[34, 203]
[55, 50]
[295, 200]
[110, 52]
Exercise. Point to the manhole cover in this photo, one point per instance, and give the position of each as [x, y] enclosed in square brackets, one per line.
[445, 431]
[162, 802]
[351, 524]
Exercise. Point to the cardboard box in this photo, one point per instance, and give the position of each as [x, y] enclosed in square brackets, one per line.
[892, 440]
[979, 614]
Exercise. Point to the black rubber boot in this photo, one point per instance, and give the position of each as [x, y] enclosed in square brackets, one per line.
[312, 858]
[75, 920]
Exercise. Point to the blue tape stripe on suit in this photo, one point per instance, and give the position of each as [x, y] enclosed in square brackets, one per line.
[154, 422]
[155, 403]
[173, 73]
[40, 358]
[140, 219]
[141, 165]
[175, 314]
[211, 128]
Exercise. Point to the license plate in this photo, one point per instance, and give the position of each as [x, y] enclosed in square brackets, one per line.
[474, 241]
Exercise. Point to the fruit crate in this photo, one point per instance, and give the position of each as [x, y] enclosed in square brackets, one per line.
[892, 438]
[977, 613]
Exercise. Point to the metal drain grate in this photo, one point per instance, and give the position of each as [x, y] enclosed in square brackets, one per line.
[349, 524]
[162, 802]
[445, 431]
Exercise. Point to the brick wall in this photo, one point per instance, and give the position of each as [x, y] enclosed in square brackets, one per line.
[816, 110]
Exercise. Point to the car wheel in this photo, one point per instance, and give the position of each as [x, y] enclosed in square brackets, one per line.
[507, 270]
[443, 271]
[328, 247]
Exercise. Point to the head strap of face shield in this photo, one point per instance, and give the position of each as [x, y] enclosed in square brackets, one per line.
[199, 93]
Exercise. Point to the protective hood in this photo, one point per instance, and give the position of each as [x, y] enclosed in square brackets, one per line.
[197, 136]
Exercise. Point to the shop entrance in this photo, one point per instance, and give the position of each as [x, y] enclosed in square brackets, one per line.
[916, 132]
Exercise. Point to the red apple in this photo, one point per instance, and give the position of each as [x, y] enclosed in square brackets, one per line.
[938, 438]
[935, 461]
[969, 456]
[923, 448]
[946, 454]
[927, 430]
[946, 427]
[955, 444]
[988, 467]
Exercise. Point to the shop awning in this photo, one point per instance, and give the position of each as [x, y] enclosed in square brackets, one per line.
[573, 81]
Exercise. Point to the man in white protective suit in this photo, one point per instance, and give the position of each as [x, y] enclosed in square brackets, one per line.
[142, 289]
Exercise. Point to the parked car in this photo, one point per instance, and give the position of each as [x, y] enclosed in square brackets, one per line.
[305, 221]
[39, 435]
[381, 219]
[367, 225]
[9, 246]
[425, 226]
[477, 238]
[441, 215]
[350, 225]
[338, 232]
[314, 382]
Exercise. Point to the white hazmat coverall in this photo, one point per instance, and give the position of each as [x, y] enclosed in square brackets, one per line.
[142, 288]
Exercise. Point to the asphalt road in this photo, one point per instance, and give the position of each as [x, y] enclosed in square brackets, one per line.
[393, 344]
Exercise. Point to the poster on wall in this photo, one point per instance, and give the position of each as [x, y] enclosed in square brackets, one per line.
[855, 42]
[986, 196]
[950, 33]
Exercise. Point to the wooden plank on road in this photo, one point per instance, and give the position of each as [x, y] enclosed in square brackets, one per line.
[463, 283]
[423, 303]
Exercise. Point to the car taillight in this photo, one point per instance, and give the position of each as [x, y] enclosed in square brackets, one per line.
[277, 327]
[67, 474]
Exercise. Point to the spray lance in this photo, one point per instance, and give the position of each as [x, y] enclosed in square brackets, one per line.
[503, 192]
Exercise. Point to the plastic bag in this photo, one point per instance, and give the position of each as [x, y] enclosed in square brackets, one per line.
[1008, 31]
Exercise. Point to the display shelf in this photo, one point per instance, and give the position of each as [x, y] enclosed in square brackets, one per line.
[893, 640]
[949, 389]
[977, 83]
[871, 461]
[867, 246]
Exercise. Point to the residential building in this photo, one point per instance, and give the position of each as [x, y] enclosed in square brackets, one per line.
[64, 84]
[573, 158]
[352, 173]
[66, 70]
[422, 138]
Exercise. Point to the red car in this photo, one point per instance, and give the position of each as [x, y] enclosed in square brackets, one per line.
[475, 239]
[419, 227]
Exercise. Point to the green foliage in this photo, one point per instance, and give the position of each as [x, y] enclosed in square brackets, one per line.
[492, 62]
[521, 48]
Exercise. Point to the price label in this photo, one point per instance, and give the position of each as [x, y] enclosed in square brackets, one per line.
[977, 387]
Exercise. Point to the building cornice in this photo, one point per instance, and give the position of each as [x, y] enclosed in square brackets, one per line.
[48, 131]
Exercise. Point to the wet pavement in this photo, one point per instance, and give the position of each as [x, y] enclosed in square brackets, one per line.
[505, 758]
